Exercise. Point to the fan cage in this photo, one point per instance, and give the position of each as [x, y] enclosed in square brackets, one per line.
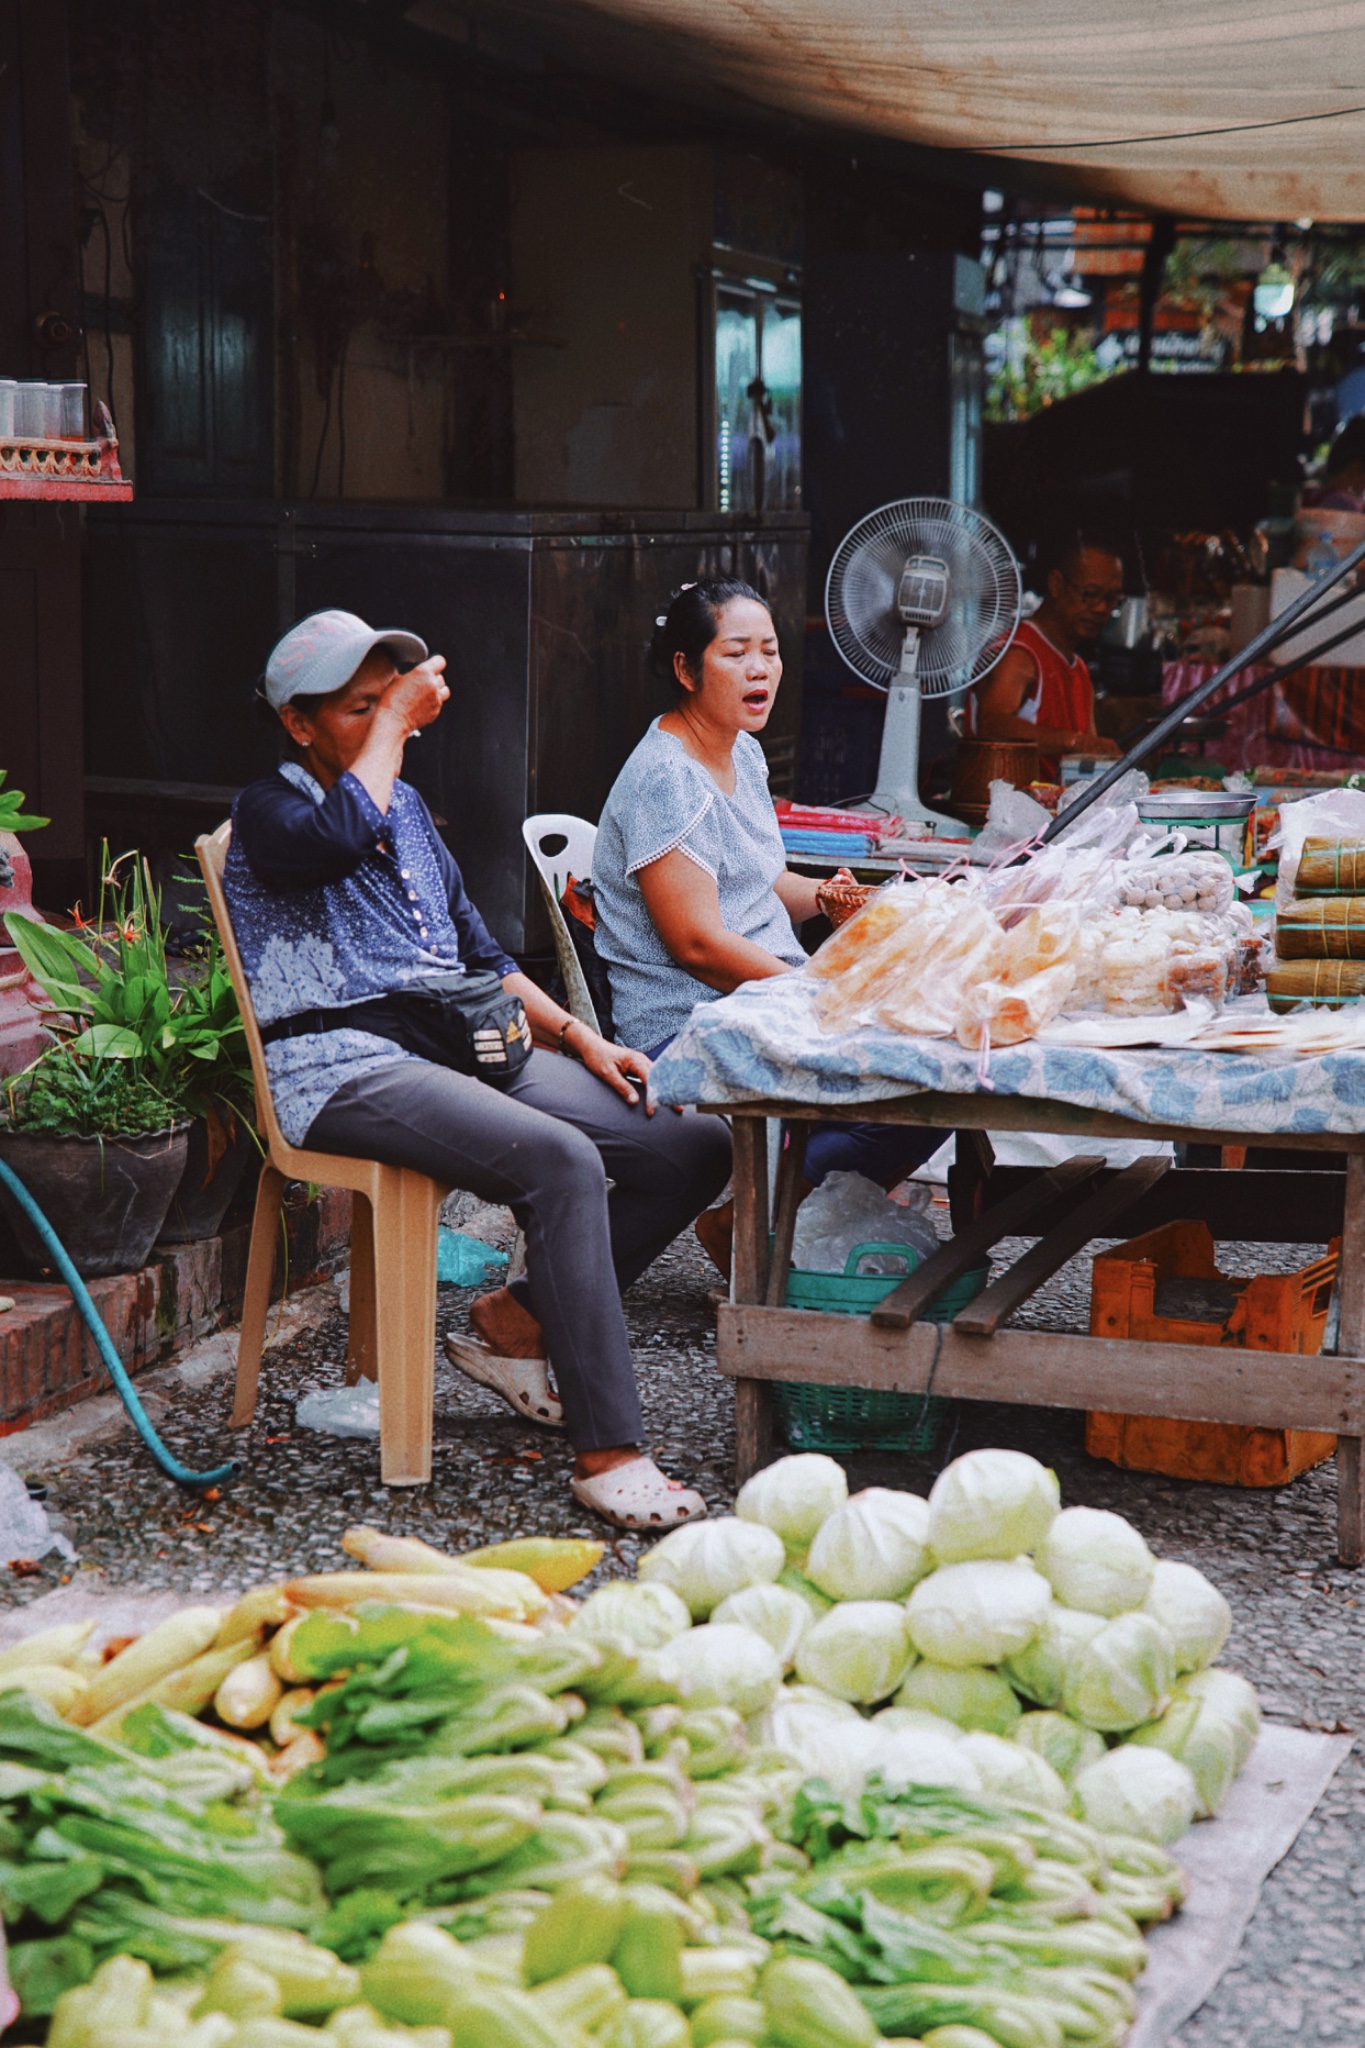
[983, 609]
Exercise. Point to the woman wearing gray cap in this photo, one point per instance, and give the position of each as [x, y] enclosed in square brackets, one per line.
[347, 906]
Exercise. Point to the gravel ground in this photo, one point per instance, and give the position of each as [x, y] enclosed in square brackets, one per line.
[1301, 1970]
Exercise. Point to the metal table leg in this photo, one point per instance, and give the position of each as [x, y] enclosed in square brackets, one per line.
[1351, 1344]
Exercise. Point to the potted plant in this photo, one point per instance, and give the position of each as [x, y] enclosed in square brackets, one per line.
[218, 1092]
[97, 1128]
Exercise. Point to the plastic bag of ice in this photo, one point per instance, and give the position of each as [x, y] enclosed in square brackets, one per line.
[341, 1411]
[25, 1531]
[847, 1210]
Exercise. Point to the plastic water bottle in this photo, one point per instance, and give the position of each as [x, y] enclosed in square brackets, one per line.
[1321, 559]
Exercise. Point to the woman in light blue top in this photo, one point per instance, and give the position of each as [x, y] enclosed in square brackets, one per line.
[692, 891]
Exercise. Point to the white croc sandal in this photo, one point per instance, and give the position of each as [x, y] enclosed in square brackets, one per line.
[523, 1383]
[637, 1495]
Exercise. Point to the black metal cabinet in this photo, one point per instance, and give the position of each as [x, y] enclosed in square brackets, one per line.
[543, 618]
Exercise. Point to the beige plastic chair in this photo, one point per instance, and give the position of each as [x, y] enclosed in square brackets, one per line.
[573, 857]
[393, 1248]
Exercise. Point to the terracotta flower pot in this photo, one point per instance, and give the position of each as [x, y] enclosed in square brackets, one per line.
[106, 1198]
[208, 1184]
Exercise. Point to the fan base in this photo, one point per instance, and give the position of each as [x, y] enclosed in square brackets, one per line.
[901, 804]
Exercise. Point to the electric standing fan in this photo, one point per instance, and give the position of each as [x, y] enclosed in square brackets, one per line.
[922, 599]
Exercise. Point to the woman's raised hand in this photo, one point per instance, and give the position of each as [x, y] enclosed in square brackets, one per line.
[417, 697]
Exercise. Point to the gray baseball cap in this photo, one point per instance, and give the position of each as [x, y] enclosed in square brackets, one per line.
[324, 651]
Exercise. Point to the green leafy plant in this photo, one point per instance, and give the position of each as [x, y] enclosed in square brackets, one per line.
[71, 1096]
[129, 1034]
[13, 817]
[1051, 367]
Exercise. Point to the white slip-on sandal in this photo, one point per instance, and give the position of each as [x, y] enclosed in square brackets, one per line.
[523, 1383]
[637, 1495]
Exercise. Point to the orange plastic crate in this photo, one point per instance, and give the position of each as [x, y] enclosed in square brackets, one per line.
[1271, 1312]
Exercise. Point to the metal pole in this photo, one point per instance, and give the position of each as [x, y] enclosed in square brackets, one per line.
[1269, 636]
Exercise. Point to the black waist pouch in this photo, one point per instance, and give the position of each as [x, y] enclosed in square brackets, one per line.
[465, 1021]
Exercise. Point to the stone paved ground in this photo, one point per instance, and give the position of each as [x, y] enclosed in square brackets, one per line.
[1300, 1976]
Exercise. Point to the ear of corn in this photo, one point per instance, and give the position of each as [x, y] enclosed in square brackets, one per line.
[60, 1645]
[186, 1690]
[164, 1649]
[508, 1595]
[265, 1607]
[250, 1693]
[554, 1562]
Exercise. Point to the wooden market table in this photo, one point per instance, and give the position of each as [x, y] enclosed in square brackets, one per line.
[760, 1341]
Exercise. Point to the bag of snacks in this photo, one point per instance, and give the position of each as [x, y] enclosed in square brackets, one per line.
[1179, 881]
[1331, 867]
[1321, 928]
[1326, 984]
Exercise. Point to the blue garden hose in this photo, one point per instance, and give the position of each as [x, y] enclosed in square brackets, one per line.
[104, 1344]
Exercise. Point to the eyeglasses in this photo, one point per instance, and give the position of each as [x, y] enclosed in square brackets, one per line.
[1094, 598]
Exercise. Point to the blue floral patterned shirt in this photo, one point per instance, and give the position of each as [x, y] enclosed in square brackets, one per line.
[333, 902]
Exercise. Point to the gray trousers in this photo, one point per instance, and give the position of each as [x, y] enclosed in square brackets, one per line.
[546, 1147]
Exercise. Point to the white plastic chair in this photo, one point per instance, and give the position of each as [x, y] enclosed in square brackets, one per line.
[562, 845]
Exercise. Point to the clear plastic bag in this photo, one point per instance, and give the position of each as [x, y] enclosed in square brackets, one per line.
[924, 995]
[1195, 971]
[858, 963]
[1192, 882]
[1034, 972]
[848, 1209]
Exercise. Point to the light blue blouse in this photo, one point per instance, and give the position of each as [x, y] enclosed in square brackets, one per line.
[664, 801]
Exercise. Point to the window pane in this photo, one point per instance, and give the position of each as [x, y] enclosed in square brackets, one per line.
[736, 371]
[782, 375]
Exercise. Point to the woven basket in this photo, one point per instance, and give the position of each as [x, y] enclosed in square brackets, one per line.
[815, 1418]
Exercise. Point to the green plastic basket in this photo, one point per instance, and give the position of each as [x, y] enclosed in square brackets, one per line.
[815, 1418]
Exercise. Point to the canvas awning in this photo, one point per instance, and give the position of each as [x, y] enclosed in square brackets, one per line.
[1226, 109]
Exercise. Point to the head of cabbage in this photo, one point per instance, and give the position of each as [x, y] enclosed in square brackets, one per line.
[703, 1562]
[777, 1614]
[1192, 1611]
[813, 1728]
[1232, 1698]
[974, 1697]
[1205, 1743]
[1061, 1742]
[793, 1497]
[991, 1504]
[1122, 1676]
[1016, 1773]
[978, 1613]
[875, 1547]
[1138, 1791]
[859, 1651]
[1039, 1669]
[1095, 1560]
[721, 1666]
[648, 1616]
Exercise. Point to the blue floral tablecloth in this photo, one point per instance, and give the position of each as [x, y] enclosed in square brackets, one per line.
[763, 1043]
